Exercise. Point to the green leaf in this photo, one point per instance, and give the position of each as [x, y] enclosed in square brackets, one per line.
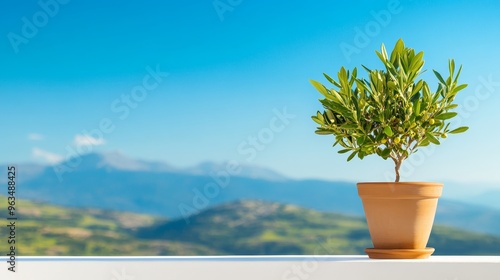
[380, 56]
[335, 96]
[446, 127]
[331, 80]
[356, 106]
[416, 107]
[328, 115]
[459, 88]
[436, 97]
[424, 143]
[342, 143]
[316, 120]
[452, 67]
[458, 74]
[344, 151]
[384, 52]
[354, 72]
[431, 138]
[426, 92]
[440, 78]
[335, 144]
[351, 156]
[451, 106]
[459, 130]
[361, 84]
[388, 131]
[323, 132]
[398, 49]
[343, 77]
[361, 155]
[319, 87]
[360, 140]
[417, 87]
[445, 116]
[385, 153]
[320, 116]
[416, 62]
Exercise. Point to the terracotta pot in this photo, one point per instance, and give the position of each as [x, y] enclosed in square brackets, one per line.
[400, 217]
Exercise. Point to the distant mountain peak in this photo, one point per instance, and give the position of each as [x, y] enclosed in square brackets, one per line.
[247, 171]
[121, 162]
[116, 160]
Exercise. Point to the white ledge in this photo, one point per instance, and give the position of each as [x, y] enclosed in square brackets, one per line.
[252, 267]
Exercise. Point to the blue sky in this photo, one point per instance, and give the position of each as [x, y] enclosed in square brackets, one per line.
[192, 81]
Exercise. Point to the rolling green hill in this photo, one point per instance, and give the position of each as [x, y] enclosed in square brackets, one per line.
[46, 230]
[253, 227]
[244, 227]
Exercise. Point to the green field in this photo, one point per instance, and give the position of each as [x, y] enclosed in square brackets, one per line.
[245, 227]
[57, 231]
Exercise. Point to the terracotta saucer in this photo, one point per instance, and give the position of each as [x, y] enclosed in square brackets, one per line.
[399, 253]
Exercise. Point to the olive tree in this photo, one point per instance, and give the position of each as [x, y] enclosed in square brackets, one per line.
[391, 112]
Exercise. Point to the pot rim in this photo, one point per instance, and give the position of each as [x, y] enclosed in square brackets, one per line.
[400, 183]
[397, 190]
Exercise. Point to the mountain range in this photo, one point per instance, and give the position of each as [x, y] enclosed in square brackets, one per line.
[115, 182]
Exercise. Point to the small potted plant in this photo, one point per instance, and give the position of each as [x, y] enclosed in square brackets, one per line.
[392, 113]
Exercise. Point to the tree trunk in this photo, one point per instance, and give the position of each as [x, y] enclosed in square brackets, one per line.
[396, 168]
